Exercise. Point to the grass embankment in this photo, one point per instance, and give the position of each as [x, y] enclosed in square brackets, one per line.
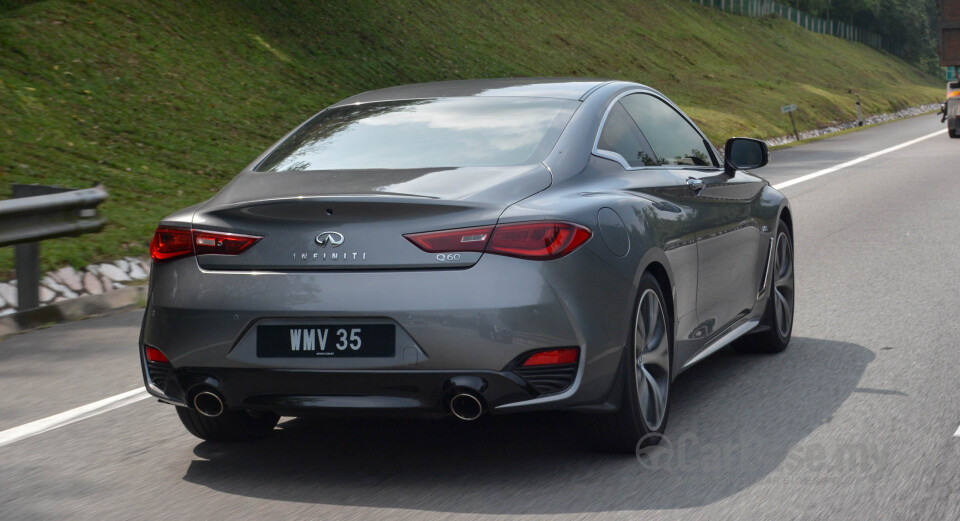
[164, 101]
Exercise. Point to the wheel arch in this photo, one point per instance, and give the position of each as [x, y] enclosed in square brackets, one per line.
[663, 278]
[787, 218]
[655, 263]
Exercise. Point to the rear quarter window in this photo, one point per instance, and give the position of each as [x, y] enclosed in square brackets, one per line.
[673, 139]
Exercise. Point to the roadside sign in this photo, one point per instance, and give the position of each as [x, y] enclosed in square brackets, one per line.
[789, 109]
[952, 73]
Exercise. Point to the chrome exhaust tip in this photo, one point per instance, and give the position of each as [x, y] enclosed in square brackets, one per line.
[466, 406]
[208, 403]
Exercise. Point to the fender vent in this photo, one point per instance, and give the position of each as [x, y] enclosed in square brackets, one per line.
[549, 379]
[766, 270]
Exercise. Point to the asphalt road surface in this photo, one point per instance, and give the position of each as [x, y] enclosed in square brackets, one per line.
[858, 419]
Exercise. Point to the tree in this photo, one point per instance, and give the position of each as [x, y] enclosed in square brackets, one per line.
[908, 27]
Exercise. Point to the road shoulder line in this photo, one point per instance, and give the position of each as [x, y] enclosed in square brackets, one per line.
[73, 415]
[861, 159]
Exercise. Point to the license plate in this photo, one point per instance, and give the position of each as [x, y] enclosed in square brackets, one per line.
[344, 340]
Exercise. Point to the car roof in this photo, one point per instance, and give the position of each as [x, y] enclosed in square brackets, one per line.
[562, 88]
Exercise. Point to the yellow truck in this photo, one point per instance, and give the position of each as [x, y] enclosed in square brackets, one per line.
[948, 47]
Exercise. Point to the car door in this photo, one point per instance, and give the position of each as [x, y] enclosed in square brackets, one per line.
[667, 220]
[728, 237]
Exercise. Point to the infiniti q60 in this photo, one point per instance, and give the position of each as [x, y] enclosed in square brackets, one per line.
[469, 248]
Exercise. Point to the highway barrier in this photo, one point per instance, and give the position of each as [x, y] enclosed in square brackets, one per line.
[36, 213]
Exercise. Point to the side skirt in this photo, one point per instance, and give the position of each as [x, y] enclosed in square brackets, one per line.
[722, 341]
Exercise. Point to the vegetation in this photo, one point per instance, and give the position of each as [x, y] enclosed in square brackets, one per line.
[907, 25]
[164, 101]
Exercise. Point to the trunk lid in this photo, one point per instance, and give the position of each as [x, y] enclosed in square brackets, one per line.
[356, 220]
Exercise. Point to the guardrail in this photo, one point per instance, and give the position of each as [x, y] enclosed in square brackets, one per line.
[36, 213]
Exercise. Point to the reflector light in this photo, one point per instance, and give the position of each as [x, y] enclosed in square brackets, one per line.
[553, 357]
[173, 243]
[536, 241]
[154, 355]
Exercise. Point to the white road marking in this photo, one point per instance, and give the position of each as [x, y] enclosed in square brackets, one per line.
[957, 434]
[65, 418]
[858, 160]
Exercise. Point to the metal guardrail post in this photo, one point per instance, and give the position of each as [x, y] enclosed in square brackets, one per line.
[28, 275]
[27, 255]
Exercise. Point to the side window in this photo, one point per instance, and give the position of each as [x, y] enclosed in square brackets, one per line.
[621, 135]
[674, 141]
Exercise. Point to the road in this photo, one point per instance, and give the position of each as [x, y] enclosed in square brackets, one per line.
[856, 420]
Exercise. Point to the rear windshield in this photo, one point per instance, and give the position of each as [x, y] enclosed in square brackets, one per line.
[429, 133]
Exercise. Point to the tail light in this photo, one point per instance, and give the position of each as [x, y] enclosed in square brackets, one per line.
[173, 243]
[536, 241]
[552, 357]
[222, 243]
[170, 243]
[465, 239]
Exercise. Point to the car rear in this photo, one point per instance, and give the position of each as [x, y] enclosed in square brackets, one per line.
[354, 268]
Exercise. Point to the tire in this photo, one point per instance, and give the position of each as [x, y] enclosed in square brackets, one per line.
[954, 132]
[648, 356]
[776, 326]
[229, 426]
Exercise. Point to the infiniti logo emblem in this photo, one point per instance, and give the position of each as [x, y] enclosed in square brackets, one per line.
[332, 238]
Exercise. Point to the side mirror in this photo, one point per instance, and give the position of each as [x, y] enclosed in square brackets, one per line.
[744, 152]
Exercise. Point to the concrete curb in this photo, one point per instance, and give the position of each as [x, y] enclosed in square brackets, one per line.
[73, 309]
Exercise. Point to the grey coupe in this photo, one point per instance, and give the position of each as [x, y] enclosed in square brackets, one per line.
[467, 248]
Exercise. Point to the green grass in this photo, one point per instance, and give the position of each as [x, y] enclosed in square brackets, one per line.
[165, 101]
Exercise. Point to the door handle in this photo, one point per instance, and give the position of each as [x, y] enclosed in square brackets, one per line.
[695, 184]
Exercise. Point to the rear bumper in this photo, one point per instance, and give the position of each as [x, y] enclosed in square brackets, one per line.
[295, 393]
[451, 323]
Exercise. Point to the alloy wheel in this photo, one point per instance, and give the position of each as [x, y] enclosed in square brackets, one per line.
[652, 355]
[783, 286]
